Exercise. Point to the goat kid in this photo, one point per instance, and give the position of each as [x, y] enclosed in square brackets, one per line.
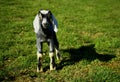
[45, 27]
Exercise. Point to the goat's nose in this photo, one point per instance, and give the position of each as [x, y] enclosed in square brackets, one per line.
[45, 24]
[44, 21]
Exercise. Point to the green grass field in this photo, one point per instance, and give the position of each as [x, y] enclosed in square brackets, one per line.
[89, 37]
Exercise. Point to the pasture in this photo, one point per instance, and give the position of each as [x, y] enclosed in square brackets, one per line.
[88, 34]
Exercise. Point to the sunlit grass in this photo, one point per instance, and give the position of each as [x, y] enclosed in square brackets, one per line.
[88, 35]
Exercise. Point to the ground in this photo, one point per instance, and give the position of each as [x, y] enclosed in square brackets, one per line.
[89, 37]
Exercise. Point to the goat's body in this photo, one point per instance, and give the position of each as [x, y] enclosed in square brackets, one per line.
[46, 35]
[49, 38]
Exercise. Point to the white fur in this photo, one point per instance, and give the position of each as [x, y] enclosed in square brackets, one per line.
[44, 21]
[39, 55]
[52, 67]
[36, 24]
[44, 11]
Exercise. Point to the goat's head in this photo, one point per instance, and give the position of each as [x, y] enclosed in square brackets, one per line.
[45, 18]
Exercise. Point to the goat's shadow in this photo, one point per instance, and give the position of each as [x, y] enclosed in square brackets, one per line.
[84, 52]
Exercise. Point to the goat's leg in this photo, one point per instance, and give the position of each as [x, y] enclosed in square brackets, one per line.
[39, 59]
[51, 55]
[39, 55]
[58, 55]
[52, 61]
[56, 44]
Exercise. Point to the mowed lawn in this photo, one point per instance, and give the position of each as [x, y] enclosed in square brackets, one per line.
[89, 37]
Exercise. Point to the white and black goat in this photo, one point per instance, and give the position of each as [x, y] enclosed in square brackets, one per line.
[45, 27]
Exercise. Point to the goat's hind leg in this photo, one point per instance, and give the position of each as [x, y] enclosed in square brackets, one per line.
[56, 44]
[58, 55]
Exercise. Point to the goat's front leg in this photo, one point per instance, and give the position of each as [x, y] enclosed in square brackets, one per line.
[51, 55]
[39, 56]
[39, 59]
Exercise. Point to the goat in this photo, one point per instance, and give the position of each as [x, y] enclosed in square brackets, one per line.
[45, 27]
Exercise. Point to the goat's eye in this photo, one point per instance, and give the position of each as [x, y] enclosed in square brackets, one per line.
[51, 19]
[49, 15]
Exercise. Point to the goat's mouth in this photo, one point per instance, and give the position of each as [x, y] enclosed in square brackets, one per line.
[46, 26]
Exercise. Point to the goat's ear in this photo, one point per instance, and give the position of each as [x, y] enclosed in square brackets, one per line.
[55, 23]
[40, 15]
[36, 24]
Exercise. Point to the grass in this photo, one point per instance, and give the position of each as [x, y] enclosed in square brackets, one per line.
[89, 37]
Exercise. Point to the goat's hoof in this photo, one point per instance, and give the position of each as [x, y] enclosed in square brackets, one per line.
[52, 68]
[59, 57]
[39, 70]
